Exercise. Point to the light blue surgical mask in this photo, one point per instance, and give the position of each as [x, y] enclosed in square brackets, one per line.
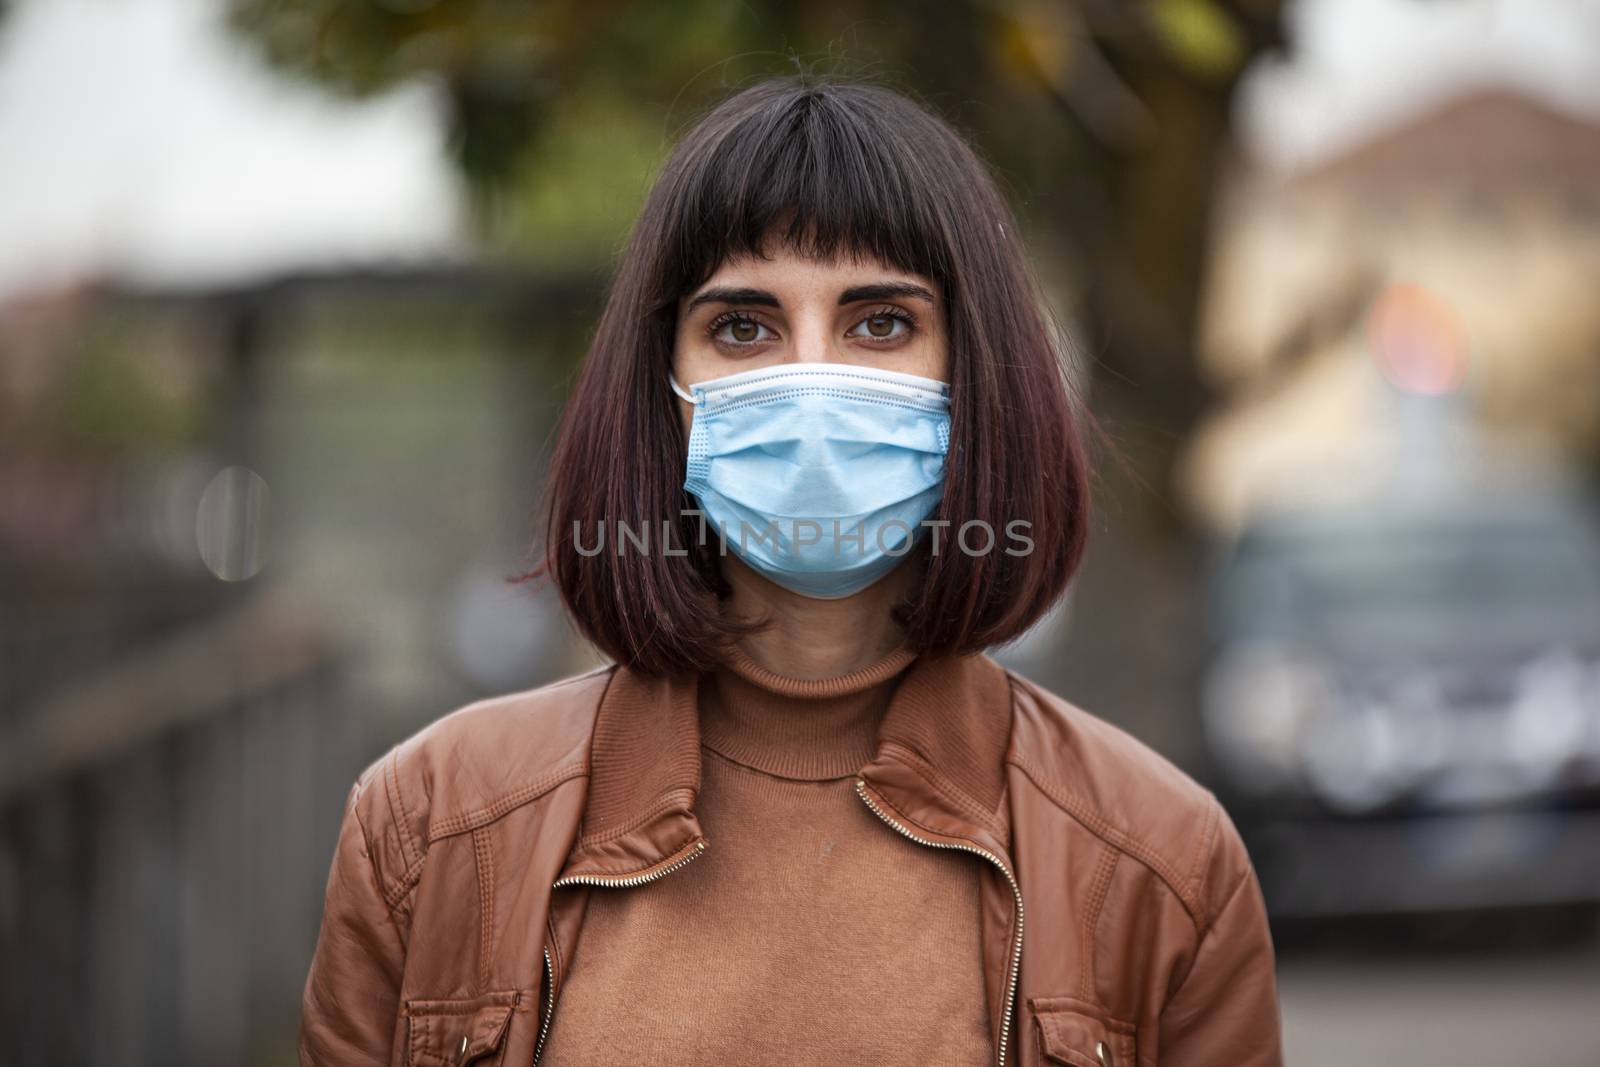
[818, 475]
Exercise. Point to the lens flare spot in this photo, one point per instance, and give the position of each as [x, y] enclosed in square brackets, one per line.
[230, 524]
[1417, 340]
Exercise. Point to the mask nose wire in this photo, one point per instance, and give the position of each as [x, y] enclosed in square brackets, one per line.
[676, 388]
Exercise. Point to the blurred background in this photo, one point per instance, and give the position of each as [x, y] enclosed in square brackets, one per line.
[291, 293]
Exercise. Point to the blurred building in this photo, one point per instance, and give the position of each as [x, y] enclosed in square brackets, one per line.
[1403, 657]
[1453, 259]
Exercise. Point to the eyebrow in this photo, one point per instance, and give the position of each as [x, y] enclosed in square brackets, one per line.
[884, 291]
[762, 298]
[727, 295]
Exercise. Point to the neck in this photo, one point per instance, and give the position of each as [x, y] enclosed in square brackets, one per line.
[806, 638]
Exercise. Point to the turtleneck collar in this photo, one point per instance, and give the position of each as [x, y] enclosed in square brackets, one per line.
[805, 729]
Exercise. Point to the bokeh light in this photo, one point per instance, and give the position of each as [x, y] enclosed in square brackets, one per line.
[1417, 341]
[231, 524]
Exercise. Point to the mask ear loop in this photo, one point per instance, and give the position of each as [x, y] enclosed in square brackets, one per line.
[676, 388]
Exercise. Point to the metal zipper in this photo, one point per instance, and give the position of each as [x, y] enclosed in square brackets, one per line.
[549, 1003]
[1016, 891]
[607, 880]
[631, 879]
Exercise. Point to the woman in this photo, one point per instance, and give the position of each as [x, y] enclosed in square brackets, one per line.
[819, 457]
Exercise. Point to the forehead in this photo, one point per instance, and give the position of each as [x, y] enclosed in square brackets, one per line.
[784, 268]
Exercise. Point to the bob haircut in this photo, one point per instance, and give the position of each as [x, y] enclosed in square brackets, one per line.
[829, 170]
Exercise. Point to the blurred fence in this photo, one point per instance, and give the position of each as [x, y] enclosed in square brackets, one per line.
[357, 454]
[165, 828]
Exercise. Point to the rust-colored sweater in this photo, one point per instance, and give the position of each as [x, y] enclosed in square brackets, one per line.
[809, 931]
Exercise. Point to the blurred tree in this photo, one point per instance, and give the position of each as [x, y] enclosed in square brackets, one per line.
[557, 109]
[1105, 119]
[1144, 95]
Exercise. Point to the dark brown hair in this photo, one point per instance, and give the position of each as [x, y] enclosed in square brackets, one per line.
[826, 169]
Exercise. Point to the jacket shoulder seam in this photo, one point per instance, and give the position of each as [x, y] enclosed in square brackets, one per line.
[390, 901]
[1227, 900]
[1182, 887]
[1204, 843]
[476, 820]
[414, 854]
[1105, 870]
[457, 822]
[405, 884]
[397, 806]
[504, 804]
[1204, 928]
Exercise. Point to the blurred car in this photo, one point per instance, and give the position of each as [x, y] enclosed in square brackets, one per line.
[1401, 703]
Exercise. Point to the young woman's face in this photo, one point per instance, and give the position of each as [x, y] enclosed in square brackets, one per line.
[789, 309]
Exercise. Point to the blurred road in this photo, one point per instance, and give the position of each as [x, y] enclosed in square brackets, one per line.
[1449, 1011]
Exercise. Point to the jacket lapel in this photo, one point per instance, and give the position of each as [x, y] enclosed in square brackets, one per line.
[940, 772]
[644, 776]
[939, 768]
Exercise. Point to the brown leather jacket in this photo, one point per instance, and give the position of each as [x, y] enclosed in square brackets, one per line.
[457, 892]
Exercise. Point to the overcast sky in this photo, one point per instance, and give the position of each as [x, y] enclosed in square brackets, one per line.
[138, 138]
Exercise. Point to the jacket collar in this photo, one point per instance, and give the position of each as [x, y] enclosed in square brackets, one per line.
[939, 765]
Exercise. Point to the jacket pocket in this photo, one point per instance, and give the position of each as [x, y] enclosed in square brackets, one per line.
[1076, 1032]
[447, 1033]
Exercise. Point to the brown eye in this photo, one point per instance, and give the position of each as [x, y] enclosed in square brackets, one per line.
[739, 330]
[882, 326]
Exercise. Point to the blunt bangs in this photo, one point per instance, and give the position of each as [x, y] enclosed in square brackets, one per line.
[830, 170]
[825, 175]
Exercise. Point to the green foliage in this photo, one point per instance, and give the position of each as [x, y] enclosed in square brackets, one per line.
[576, 195]
[1200, 36]
[525, 81]
[124, 385]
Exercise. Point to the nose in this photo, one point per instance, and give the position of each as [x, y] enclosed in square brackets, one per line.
[811, 334]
